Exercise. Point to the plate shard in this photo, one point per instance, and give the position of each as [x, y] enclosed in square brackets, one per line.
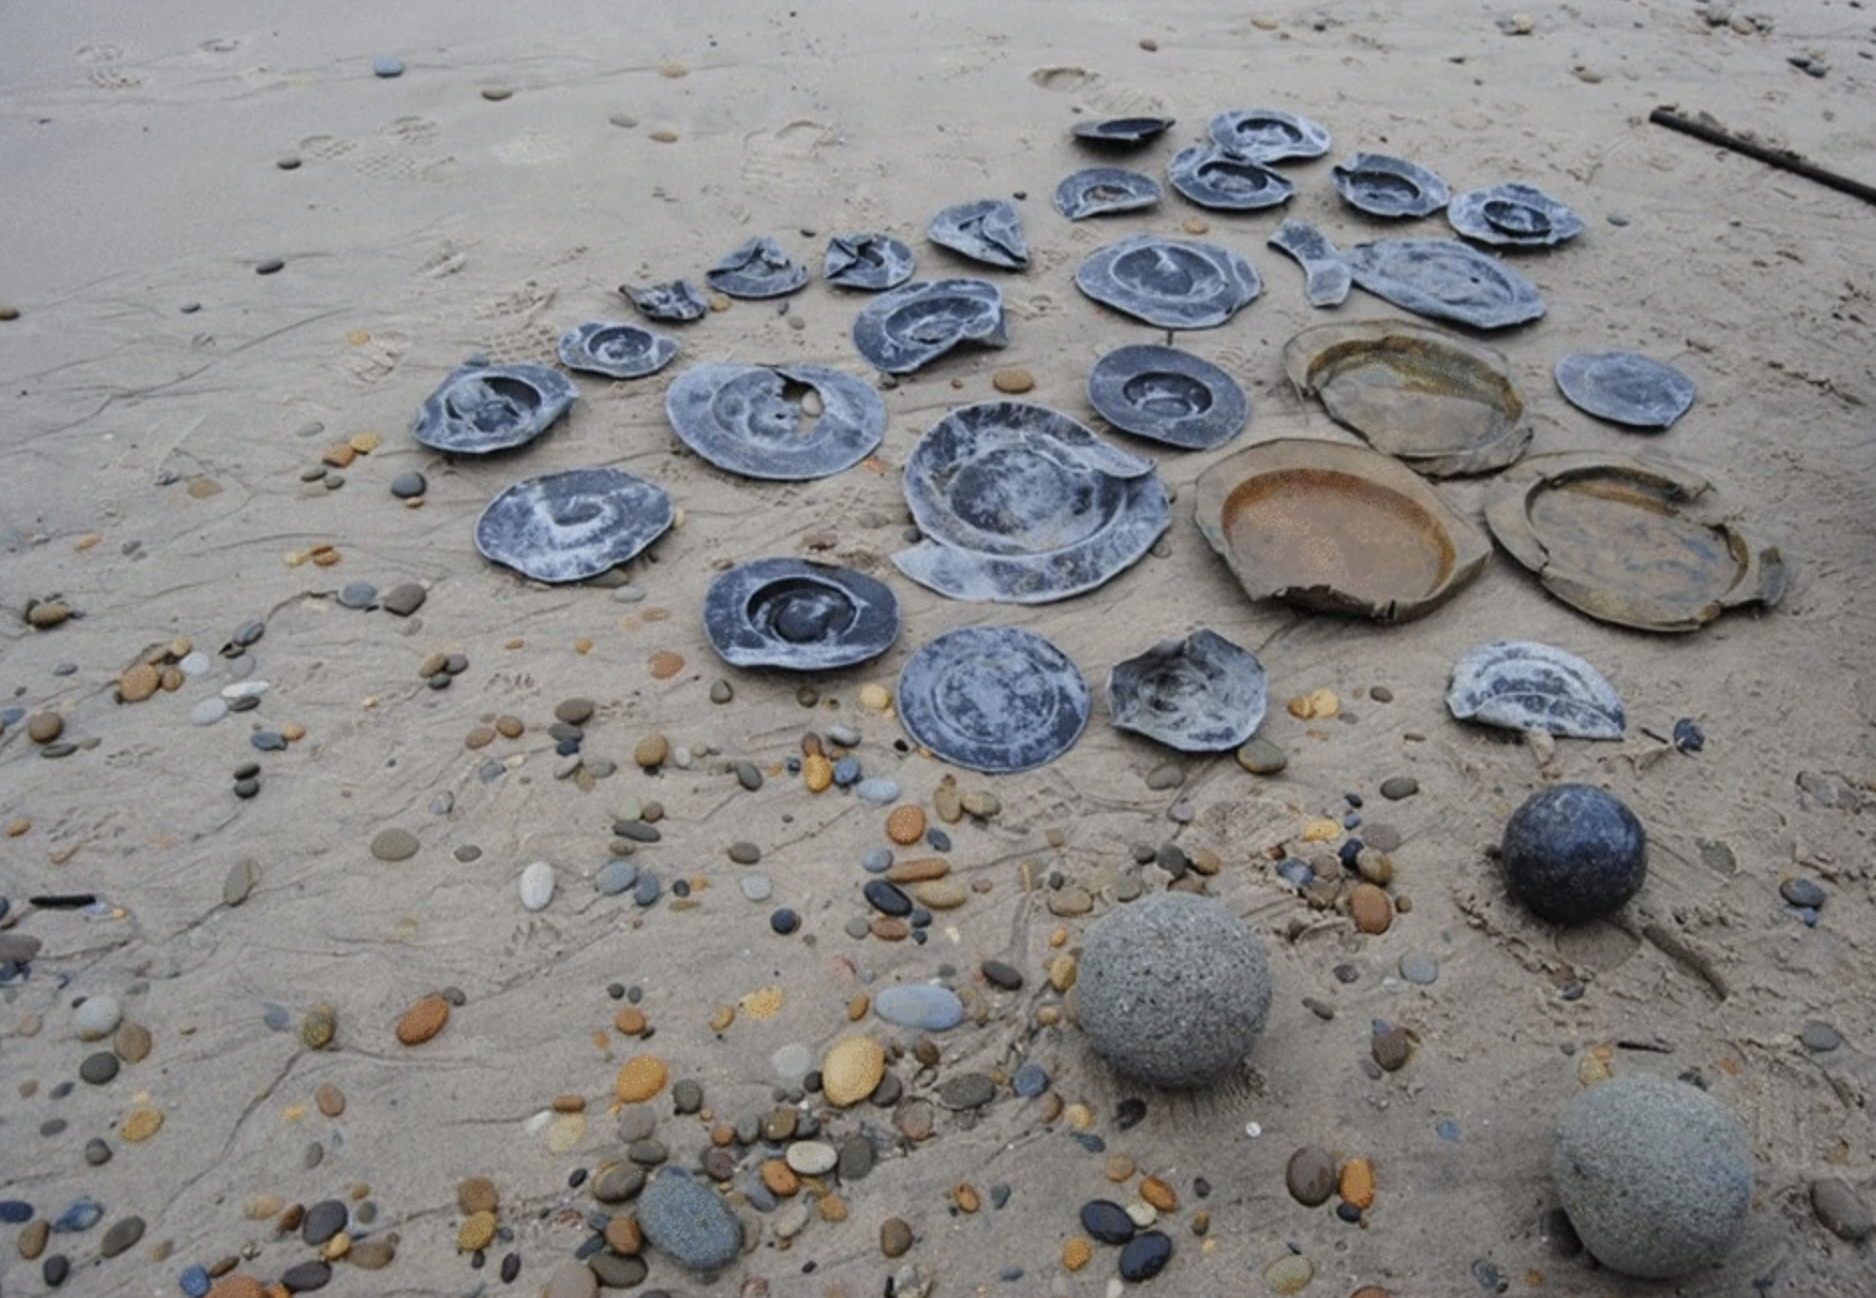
[619, 351]
[1101, 191]
[675, 301]
[1200, 694]
[1168, 395]
[1445, 279]
[994, 699]
[478, 409]
[1528, 685]
[1227, 182]
[1513, 216]
[989, 230]
[757, 268]
[910, 326]
[872, 262]
[1120, 132]
[1625, 388]
[1386, 186]
[1172, 283]
[1268, 135]
[1326, 277]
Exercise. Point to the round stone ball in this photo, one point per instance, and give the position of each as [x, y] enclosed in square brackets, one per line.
[1655, 1175]
[1172, 989]
[1573, 853]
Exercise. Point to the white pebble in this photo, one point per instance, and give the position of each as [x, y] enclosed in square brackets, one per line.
[792, 1220]
[195, 663]
[244, 690]
[208, 711]
[811, 1157]
[537, 885]
[1142, 1215]
[97, 1018]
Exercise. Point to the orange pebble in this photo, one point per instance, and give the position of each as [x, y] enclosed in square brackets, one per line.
[423, 1020]
[1356, 1184]
[906, 825]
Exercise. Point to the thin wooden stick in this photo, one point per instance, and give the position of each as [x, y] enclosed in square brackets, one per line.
[1782, 159]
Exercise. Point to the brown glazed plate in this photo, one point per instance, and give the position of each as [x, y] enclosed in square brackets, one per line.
[1632, 541]
[1336, 528]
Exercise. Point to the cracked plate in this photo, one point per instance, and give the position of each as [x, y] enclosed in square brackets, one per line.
[572, 525]
[758, 268]
[1513, 216]
[619, 351]
[1099, 191]
[799, 616]
[1383, 185]
[1121, 132]
[1215, 178]
[993, 699]
[989, 230]
[1268, 135]
[1202, 694]
[1172, 283]
[907, 327]
[1445, 279]
[1528, 685]
[867, 261]
[482, 408]
[759, 421]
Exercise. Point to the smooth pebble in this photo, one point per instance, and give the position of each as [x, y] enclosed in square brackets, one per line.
[537, 885]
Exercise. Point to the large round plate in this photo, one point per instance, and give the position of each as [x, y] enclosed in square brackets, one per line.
[800, 616]
[1223, 181]
[1513, 216]
[1172, 283]
[1445, 279]
[1019, 504]
[619, 351]
[909, 326]
[1268, 135]
[572, 525]
[1335, 527]
[484, 408]
[1202, 694]
[743, 418]
[989, 230]
[867, 261]
[1099, 191]
[1169, 396]
[993, 699]
[1383, 185]
[757, 268]
[1625, 388]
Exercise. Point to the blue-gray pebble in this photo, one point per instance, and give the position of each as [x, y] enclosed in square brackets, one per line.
[1574, 853]
[387, 65]
[919, 1005]
[615, 877]
[1031, 1080]
[689, 1221]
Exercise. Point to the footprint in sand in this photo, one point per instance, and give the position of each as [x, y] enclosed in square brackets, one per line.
[1096, 91]
[105, 69]
[788, 157]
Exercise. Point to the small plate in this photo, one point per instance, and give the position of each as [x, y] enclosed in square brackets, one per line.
[1099, 191]
[994, 699]
[1439, 403]
[1169, 396]
[907, 327]
[1223, 181]
[1527, 685]
[1513, 216]
[1337, 528]
[619, 351]
[1202, 694]
[744, 418]
[572, 525]
[482, 408]
[757, 269]
[1268, 135]
[1625, 388]
[1635, 542]
[1121, 132]
[1019, 504]
[799, 616]
[1172, 283]
[989, 230]
[1383, 185]
[1445, 279]
[867, 261]
[675, 301]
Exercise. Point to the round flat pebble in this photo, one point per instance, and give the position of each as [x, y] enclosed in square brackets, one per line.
[895, 1237]
[1262, 757]
[358, 594]
[1800, 891]
[967, 1091]
[208, 711]
[409, 485]
[1289, 1274]
[537, 885]
[322, 1221]
[1107, 1221]
[1422, 970]
[1031, 1080]
[1310, 1176]
[811, 1157]
[1819, 1037]
[744, 853]
[404, 599]
[15, 1211]
[99, 1068]
[615, 877]
[919, 1005]
[394, 844]
[387, 65]
[877, 790]
[1399, 786]
[1842, 1212]
[194, 1282]
[756, 887]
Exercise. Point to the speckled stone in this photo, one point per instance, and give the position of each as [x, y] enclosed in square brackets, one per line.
[1574, 853]
[689, 1221]
[394, 844]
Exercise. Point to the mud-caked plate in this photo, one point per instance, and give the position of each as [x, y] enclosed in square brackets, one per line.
[1172, 283]
[619, 351]
[1513, 216]
[1099, 191]
[1225, 182]
[752, 420]
[910, 326]
[993, 699]
[757, 268]
[1202, 694]
[1121, 132]
[1268, 135]
[799, 616]
[1169, 396]
[1335, 527]
[478, 409]
[572, 525]
[1445, 279]
[675, 301]
[1528, 685]
[1625, 388]
[867, 261]
[1381, 184]
[989, 230]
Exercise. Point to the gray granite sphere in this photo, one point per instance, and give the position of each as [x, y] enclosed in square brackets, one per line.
[1172, 989]
[1655, 1175]
[1573, 853]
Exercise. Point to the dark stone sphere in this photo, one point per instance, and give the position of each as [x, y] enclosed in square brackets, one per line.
[1574, 853]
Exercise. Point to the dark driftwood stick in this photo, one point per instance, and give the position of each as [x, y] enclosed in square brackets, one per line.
[1773, 157]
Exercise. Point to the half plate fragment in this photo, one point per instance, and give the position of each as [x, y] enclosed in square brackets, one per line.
[799, 616]
[908, 326]
[1268, 135]
[1635, 542]
[1527, 685]
[1383, 185]
[989, 230]
[993, 699]
[1515, 216]
[572, 525]
[1440, 404]
[619, 351]
[1326, 277]
[1202, 694]
[1098, 191]
[1338, 528]
[675, 301]
[1121, 132]
[1223, 181]
[1625, 388]
[482, 408]
[1019, 504]
[745, 419]
[867, 261]
[1169, 396]
[1172, 283]
[1445, 279]
[757, 269]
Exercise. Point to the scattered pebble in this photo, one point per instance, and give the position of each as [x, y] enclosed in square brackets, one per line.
[537, 885]
[387, 65]
[394, 844]
[1840, 1209]
[1145, 1256]
[1422, 970]
[1399, 786]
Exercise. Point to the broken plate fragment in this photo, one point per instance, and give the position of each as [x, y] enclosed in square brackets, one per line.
[1268, 135]
[1383, 185]
[1326, 277]
[1172, 283]
[1516, 216]
[745, 418]
[1202, 694]
[572, 525]
[993, 699]
[619, 351]
[1527, 685]
[1169, 396]
[673, 302]
[1098, 191]
[1121, 132]
[1223, 181]
[482, 408]
[1445, 279]
[799, 616]
[1625, 388]
[1439, 403]
[1635, 542]
[908, 326]
[1019, 504]
[757, 269]
[989, 230]
[1337, 528]
[867, 261]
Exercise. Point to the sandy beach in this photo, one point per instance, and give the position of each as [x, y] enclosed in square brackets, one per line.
[265, 816]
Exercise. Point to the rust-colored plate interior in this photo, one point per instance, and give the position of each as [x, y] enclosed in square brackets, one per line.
[1415, 400]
